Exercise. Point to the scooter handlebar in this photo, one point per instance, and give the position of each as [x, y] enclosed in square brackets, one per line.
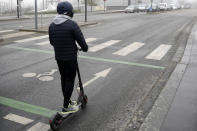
[79, 49]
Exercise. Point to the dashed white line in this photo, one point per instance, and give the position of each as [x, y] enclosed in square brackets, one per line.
[39, 127]
[17, 34]
[128, 49]
[103, 45]
[18, 119]
[90, 39]
[43, 43]
[159, 52]
[4, 31]
[31, 39]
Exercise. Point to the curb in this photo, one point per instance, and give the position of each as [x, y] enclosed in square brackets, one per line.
[1, 40]
[14, 19]
[119, 11]
[46, 30]
[156, 116]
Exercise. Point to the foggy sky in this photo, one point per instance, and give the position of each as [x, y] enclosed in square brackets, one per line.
[31, 2]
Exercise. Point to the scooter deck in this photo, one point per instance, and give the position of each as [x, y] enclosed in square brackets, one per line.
[67, 113]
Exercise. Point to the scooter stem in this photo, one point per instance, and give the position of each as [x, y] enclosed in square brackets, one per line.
[80, 81]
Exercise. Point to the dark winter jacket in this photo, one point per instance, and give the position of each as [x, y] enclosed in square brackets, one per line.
[63, 35]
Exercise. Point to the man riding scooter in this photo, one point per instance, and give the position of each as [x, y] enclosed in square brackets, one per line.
[63, 35]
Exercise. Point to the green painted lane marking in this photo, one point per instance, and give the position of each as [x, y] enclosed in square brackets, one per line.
[28, 49]
[26, 107]
[121, 62]
[92, 58]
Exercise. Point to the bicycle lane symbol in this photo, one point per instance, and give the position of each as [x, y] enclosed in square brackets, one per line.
[46, 76]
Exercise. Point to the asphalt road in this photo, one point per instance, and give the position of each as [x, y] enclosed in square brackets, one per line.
[119, 101]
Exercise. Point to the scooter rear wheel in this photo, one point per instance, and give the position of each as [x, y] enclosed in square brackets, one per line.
[84, 101]
[56, 122]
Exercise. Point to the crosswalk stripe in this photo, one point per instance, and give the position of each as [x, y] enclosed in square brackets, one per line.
[43, 43]
[47, 42]
[17, 34]
[18, 119]
[103, 45]
[31, 39]
[39, 127]
[159, 52]
[4, 31]
[128, 49]
[90, 39]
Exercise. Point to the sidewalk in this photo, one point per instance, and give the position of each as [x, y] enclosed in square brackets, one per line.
[8, 18]
[176, 107]
[44, 29]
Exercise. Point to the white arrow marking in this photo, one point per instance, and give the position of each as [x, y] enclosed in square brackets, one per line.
[98, 75]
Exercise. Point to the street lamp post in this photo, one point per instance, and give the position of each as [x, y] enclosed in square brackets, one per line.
[18, 9]
[36, 15]
[85, 10]
[91, 5]
[104, 5]
[129, 2]
[78, 4]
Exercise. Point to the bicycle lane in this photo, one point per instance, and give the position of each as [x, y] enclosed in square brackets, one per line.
[23, 84]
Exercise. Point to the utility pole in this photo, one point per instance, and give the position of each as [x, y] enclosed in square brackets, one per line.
[36, 15]
[151, 5]
[129, 2]
[43, 4]
[91, 5]
[104, 5]
[78, 4]
[11, 5]
[18, 9]
[85, 10]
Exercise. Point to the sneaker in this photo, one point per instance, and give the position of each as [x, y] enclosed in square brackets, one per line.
[72, 103]
[70, 109]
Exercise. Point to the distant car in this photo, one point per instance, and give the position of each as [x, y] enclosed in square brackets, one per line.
[173, 7]
[141, 8]
[182, 6]
[178, 6]
[187, 6]
[169, 7]
[130, 9]
[155, 7]
[163, 6]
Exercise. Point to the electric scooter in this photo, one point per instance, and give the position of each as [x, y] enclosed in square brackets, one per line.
[57, 120]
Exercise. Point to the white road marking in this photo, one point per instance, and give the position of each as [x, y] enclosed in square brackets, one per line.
[39, 127]
[159, 52]
[4, 31]
[18, 119]
[31, 39]
[43, 43]
[17, 34]
[46, 78]
[103, 45]
[98, 75]
[128, 49]
[90, 39]
[48, 73]
[47, 42]
[28, 75]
